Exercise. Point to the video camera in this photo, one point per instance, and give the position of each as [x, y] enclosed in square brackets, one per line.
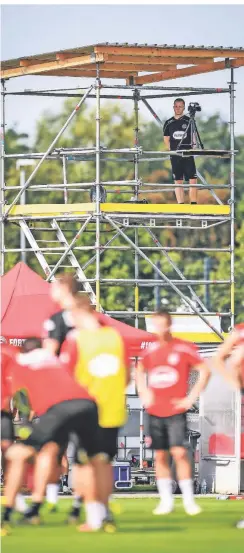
[193, 107]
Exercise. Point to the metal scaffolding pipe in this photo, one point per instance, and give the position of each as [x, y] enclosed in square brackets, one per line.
[2, 177]
[47, 152]
[98, 177]
[232, 195]
[164, 277]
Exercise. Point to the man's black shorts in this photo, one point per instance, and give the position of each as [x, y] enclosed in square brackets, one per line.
[183, 168]
[7, 427]
[78, 416]
[167, 432]
[108, 441]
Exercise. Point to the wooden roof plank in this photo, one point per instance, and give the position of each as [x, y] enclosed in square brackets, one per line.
[89, 73]
[51, 65]
[148, 60]
[129, 67]
[186, 71]
[175, 52]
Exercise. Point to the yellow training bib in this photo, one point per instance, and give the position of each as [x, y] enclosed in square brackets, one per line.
[101, 369]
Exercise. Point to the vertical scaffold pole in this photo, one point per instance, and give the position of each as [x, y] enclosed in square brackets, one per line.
[2, 195]
[232, 273]
[98, 177]
[232, 195]
[136, 176]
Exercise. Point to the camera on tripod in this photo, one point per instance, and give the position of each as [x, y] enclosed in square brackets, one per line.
[193, 107]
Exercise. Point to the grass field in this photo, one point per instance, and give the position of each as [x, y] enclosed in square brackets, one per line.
[138, 531]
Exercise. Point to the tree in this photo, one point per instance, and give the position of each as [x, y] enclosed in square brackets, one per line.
[117, 131]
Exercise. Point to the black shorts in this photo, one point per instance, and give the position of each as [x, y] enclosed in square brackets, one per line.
[108, 441]
[167, 432]
[183, 168]
[7, 427]
[78, 416]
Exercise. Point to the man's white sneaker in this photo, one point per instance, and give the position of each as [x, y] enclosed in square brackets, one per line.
[192, 509]
[162, 509]
[240, 525]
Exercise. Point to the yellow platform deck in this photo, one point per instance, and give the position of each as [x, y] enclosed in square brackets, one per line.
[57, 210]
[200, 337]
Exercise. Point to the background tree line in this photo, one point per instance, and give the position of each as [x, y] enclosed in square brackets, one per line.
[117, 131]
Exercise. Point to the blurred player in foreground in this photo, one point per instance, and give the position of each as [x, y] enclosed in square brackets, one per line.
[64, 407]
[168, 364]
[7, 428]
[64, 291]
[233, 372]
[97, 357]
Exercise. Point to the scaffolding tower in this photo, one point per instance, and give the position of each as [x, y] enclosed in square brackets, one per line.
[55, 231]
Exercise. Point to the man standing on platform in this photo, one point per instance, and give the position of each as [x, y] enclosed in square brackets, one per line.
[168, 364]
[177, 135]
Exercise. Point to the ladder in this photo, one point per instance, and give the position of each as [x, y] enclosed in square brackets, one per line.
[66, 253]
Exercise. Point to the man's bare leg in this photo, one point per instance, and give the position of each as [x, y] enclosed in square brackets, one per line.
[46, 463]
[164, 483]
[184, 474]
[17, 457]
[179, 192]
[193, 191]
[85, 481]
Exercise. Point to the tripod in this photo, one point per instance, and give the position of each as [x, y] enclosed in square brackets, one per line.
[196, 141]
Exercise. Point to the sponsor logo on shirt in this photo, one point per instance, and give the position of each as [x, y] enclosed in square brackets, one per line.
[163, 377]
[178, 135]
[3, 340]
[104, 365]
[173, 358]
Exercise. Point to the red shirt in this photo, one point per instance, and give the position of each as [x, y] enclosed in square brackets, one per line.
[240, 329]
[45, 380]
[8, 354]
[168, 369]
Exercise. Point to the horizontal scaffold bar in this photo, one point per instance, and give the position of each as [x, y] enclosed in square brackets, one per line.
[128, 208]
[75, 153]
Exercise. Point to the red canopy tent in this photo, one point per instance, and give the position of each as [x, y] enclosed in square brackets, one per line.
[26, 303]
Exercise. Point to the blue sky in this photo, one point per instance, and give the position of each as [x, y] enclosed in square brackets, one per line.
[34, 29]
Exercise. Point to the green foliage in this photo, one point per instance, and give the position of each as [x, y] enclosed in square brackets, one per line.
[117, 131]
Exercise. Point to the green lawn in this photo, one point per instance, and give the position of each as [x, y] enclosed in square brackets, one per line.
[138, 531]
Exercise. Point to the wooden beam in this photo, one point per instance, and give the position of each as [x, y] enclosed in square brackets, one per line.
[82, 73]
[154, 60]
[175, 52]
[186, 71]
[39, 68]
[130, 67]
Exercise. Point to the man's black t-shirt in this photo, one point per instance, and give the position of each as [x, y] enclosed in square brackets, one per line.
[58, 326]
[176, 130]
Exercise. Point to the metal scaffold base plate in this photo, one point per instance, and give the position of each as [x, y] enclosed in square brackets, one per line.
[56, 210]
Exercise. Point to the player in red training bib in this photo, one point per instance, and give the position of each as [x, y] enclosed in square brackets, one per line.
[64, 407]
[7, 432]
[233, 348]
[168, 364]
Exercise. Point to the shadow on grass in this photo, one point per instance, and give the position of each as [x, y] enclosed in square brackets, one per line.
[152, 529]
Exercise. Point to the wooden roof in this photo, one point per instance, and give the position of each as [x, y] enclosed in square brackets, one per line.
[145, 63]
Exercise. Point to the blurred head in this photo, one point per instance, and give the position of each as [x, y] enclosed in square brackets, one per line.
[30, 344]
[162, 322]
[179, 106]
[83, 314]
[64, 290]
